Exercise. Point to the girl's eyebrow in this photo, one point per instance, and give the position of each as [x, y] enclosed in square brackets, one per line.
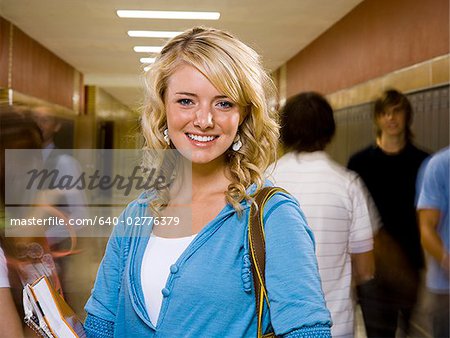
[195, 95]
[185, 93]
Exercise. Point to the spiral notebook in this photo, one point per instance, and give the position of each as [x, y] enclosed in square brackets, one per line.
[47, 312]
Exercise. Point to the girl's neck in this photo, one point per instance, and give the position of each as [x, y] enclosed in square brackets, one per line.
[201, 181]
[207, 181]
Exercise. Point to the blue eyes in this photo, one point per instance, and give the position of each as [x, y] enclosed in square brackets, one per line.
[225, 104]
[220, 104]
[185, 102]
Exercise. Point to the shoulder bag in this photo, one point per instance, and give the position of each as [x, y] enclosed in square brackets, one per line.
[256, 238]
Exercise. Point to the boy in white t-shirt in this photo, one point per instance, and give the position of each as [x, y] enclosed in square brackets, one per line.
[334, 201]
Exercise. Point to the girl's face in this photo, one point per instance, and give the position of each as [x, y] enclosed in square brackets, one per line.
[202, 121]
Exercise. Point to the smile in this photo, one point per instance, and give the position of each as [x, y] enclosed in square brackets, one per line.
[199, 138]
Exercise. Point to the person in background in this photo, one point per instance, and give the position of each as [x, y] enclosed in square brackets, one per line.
[10, 323]
[389, 170]
[71, 201]
[208, 103]
[333, 200]
[17, 131]
[433, 213]
[49, 125]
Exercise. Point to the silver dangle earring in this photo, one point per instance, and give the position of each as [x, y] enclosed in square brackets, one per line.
[166, 136]
[237, 144]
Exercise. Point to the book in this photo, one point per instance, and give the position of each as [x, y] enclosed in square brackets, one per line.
[47, 312]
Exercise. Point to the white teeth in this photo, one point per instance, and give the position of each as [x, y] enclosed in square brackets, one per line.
[201, 138]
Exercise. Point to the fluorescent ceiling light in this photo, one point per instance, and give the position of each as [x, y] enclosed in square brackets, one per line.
[146, 68]
[147, 60]
[153, 34]
[148, 49]
[169, 15]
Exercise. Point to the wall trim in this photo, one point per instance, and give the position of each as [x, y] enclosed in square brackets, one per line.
[423, 75]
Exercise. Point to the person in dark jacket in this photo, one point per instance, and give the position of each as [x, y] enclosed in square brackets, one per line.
[389, 169]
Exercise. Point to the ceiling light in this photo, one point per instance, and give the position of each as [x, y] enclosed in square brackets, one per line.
[153, 34]
[147, 60]
[146, 68]
[148, 49]
[169, 15]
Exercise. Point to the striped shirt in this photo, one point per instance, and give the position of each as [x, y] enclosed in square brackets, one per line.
[334, 201]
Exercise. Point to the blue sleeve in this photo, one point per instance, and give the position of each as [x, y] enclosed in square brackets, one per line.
[420, 178]
[102, 304]
[297, 304]
[432, 194]
[316, 331]
[98, 328]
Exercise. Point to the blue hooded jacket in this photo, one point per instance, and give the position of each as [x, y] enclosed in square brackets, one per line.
[209, 291]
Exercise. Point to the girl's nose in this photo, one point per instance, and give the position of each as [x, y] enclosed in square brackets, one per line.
[203, 119]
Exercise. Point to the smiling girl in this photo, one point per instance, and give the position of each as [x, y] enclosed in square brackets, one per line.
[208, 103]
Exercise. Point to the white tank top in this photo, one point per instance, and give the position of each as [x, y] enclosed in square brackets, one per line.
[159, 255]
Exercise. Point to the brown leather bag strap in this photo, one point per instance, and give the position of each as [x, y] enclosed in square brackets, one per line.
[256, 238]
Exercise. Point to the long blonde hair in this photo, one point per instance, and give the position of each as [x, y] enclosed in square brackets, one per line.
[235, 70]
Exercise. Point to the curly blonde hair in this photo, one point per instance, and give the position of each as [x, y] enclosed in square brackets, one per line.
[235, 70]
